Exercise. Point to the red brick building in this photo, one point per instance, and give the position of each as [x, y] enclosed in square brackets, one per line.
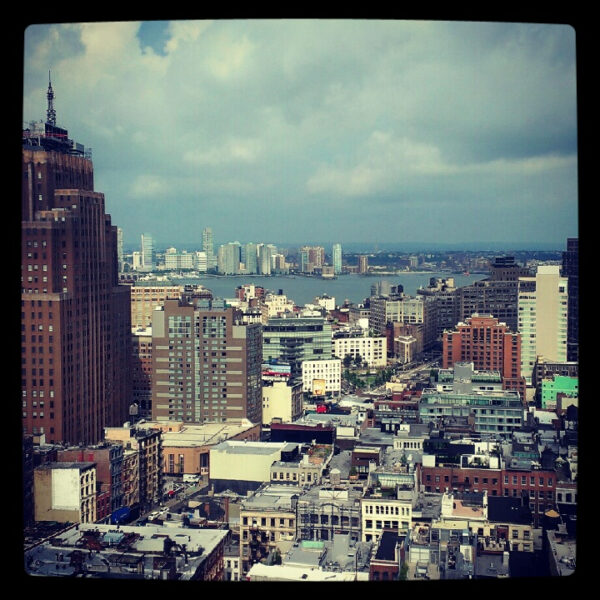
[490, 346]
[75, 317]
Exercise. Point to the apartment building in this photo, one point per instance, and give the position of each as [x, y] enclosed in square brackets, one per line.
[267, 519]
[322, 378]
[543, 318]
[372, 349]
[206, 364]
[489, 345]
[147, 443]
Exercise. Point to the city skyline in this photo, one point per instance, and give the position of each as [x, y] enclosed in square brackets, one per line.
[305, 130]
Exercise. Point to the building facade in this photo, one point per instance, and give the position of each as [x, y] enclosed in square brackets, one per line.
[489, 345]
[75, 317]
[294, 340]
[543, 318]
[206, 364]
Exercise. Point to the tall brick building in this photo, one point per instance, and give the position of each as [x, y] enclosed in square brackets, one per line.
[490, 346]
[75, 317]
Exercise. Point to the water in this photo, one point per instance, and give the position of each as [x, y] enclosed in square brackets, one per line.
[304, 290]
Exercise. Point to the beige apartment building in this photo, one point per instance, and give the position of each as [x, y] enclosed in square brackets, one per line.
[145, 298]
[65, 492]
[543, 314]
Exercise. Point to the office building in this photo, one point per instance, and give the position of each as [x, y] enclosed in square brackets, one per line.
[293, 340]
[75, 317]
[543, 318]
[206, 363]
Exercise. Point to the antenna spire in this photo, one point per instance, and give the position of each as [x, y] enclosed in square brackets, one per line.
[50, 112]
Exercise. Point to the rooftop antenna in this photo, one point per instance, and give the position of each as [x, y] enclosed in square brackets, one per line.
[50, 112]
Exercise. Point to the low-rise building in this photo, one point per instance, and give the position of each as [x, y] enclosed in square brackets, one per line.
[326, 510]
[322, 378]
[243, 466]
[65, 492]
[267, 522]
[131, 552]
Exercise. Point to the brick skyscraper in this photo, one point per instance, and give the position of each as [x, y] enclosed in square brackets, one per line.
[75, 318]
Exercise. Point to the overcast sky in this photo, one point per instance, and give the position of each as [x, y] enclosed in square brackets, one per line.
[320, 130]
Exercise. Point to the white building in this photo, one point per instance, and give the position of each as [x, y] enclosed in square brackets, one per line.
[372, 349]
[281, 399]
[542, 319]
[277, 305]
[322, 377]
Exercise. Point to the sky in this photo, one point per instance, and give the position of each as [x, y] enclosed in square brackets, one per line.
[320, 131]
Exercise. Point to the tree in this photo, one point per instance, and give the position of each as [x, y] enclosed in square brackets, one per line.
[347, 361]
[358, 360]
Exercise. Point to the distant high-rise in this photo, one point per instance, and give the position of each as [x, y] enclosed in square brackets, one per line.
[336, 258]
[75, 317]
[363, 264]
[251, 258]
[228, 258]
[208, 247]
[264, 259]
[147, 252]
[120, 248]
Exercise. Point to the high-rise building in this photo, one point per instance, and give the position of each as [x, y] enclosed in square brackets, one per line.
[208, 247]
[336, 258]
[206, 364]
[251, 258]
[264, 259]
[311, 258]
[543, 313]
[148, 253]
[363, 264]
[75, 317]
[570, 270]
[120, 248]
[228, 258]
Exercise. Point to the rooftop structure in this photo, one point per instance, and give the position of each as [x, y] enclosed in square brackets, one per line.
[150, 552]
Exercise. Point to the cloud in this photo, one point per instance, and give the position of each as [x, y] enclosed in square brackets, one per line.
[231, 151]
[313, 112]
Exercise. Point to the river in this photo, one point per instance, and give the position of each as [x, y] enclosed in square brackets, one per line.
[303, 290]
